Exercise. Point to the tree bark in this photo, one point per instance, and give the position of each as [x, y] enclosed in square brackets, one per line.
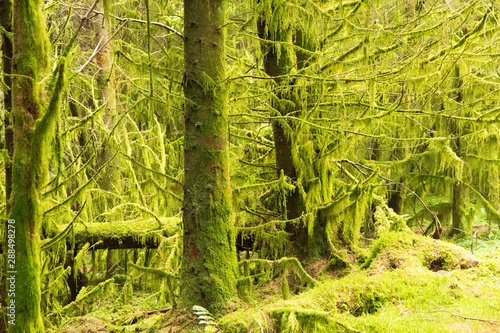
[29, 167]
[209, 264]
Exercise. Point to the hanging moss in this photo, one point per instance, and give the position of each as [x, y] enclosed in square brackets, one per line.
[87, 297]
[385, 218]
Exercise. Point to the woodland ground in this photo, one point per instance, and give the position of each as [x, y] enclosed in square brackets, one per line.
[402, 283]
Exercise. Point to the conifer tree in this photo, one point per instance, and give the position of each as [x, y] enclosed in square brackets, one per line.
[209, 268]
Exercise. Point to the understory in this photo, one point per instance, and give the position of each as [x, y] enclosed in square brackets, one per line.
[402, 282]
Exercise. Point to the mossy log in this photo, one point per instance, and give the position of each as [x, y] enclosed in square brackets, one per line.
[125, 234]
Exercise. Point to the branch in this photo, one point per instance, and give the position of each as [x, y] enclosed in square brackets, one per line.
[433, 215]
[175, 32]
[164, 26]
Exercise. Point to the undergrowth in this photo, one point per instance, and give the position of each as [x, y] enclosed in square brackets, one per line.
[435, 287]
[431, 286]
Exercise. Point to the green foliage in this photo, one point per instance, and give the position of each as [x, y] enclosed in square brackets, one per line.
[205, 318]
[387, 109]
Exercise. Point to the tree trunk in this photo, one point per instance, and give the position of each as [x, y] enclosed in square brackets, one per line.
[29, 167]
[6, 23]
[277, 64]
[105, 95]
[209, 265]
[461, 223]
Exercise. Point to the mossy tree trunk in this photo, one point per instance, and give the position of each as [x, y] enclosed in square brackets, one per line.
[8, 144]
[209, 268]
[6, 23]
[29, 61]
[33, 131]
[279, 61]
[461, 222]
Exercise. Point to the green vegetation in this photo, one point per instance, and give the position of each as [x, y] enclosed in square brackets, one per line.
[250, 166]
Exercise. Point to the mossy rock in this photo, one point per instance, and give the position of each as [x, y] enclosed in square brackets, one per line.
[405, 249]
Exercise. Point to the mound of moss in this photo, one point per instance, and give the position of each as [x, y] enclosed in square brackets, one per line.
[402, 289]
[401, 300]
[405, 249]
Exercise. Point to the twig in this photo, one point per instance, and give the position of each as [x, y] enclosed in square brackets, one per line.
[348, 328]
[159, 310]
[164, 26]
[489, 321]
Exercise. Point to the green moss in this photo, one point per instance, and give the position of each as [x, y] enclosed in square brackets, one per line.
[29, 62]
[405, 249]
[209, 268]
[141, 230]
[392, 301]
[86, 298]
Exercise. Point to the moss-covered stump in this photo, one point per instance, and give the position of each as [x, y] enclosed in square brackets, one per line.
[404, 249]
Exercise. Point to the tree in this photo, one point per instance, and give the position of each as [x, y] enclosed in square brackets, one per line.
[209, 268]
[287, 39]
[33, 131]
[29, 162]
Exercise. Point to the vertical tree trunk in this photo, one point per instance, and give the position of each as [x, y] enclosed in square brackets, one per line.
[29, 60]
[209, 265]
[461, 222]
[6, 23]
[277, 64]
[105, 94]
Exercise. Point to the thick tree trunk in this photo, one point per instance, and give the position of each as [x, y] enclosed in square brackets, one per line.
[209, 265]
[29, 59]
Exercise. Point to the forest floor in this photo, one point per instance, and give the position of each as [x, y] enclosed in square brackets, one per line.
[403, 282]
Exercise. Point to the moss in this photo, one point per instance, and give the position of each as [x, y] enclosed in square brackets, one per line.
[394, 300]
[209, 266]
[29, 62]
[141, 230]
[88, 297]
[405, 249]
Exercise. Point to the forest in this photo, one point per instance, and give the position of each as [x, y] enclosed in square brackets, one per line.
[250, 166]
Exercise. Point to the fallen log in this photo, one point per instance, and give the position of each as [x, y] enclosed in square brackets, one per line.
[138, 234]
